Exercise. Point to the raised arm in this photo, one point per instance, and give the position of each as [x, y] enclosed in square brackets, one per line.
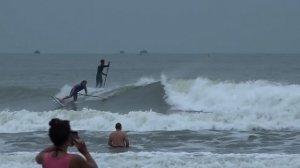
[78, 161]
[107, 64]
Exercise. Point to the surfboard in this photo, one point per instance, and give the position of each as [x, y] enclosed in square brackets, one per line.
[58, 101]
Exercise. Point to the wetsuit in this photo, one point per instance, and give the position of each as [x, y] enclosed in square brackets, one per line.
[99, 79]
[77, 88]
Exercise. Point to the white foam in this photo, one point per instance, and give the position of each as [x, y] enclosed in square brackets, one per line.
[259, 103]
[199, 94]
[64, 91]
[167, 160]
[93, 120]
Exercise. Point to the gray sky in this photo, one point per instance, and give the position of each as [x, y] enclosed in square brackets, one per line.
[163, 26]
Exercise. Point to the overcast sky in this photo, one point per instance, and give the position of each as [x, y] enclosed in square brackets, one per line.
[160, 26]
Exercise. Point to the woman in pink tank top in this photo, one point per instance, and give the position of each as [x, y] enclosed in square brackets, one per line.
[57, 156]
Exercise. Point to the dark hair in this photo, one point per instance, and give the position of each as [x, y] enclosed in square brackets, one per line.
[118, 126]
[84, 81]
[59, 131]
[102, 61]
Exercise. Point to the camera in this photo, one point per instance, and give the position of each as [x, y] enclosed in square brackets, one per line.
[74, 135]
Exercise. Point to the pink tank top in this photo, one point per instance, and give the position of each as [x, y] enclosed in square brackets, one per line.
[56, 162]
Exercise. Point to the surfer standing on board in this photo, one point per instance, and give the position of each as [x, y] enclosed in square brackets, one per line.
[77, 88]
[100, 68]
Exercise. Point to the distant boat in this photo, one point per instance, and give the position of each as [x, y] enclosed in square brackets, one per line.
[143, 52]
[122, 52]
[37, 52]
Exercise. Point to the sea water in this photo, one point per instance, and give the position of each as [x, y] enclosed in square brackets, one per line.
[179, 110]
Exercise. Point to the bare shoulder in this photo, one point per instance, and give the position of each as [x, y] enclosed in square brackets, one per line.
[124, 133]
[77, 161]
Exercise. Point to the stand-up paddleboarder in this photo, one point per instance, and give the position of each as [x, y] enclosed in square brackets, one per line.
[99, 79]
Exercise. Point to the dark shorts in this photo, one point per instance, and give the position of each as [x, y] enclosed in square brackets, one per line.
[99, 77]
[73, 92]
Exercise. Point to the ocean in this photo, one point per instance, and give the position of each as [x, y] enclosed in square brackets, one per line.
[179, 110]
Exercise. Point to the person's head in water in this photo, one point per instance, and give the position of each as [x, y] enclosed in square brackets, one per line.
[83, 83]
[59, 131]
[118, 126]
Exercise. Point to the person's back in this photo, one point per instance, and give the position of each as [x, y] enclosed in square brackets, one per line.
[118, 138]
[79, 87]
[51, 161]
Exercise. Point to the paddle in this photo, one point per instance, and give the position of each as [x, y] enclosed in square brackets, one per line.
[106, 74]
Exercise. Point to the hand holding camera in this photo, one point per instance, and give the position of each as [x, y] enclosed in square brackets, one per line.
[79, 143]
[73, 137]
